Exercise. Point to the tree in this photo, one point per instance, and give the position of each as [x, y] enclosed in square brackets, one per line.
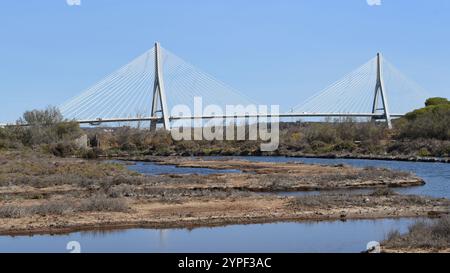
[430, 122]
[50, 116]
[47, 126]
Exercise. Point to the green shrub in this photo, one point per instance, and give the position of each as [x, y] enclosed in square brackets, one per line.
[42, 128]
[436, 101]
[424, 152]
[321, 132]
[68, 130]
[345, 146]
[431, 122]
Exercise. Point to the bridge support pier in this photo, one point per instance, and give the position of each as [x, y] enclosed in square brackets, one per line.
[380, 92]
[159, 95]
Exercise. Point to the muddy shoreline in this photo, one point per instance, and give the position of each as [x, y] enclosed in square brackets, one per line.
[375, 157]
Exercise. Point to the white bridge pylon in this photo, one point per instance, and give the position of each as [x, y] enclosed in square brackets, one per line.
[159, 94]
[150, 86]
[379, 92]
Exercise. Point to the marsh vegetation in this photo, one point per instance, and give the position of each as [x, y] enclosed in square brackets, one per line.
[426, 235]
[422, 133]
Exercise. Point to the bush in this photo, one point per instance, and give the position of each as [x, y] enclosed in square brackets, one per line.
[122, 190]
[393, 235]
[348, 146]
[52, 208]
[49, 116]
[382, 192]
[321, 132]
[11, 212]
[424, 152]
[62, 149]
[442, 227]
[67, 130]
[102, 203]
[40, 127]
[88, 153]
[422, 234]
[436, 101]
[10, 144]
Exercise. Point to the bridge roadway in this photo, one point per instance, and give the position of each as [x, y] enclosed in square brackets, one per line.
[282, 115]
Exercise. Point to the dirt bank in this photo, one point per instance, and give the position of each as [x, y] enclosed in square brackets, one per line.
[234, 210]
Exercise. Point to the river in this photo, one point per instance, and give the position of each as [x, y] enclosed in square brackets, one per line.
[349, 236]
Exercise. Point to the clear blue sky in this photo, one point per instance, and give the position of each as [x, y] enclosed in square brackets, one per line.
[276, 51]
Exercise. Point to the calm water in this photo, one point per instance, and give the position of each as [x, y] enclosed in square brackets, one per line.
[351, 236]
[436, 175]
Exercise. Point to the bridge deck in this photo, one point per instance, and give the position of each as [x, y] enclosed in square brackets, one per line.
[282, 115]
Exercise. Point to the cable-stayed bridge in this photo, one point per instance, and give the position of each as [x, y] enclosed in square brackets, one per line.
[151, 85]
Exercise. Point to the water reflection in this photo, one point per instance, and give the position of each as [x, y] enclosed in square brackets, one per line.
[350, 236]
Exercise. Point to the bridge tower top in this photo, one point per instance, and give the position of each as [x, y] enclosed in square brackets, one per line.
[159, 94]
[380, 92]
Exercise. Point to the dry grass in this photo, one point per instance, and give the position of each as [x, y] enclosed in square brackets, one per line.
[12, 212]
[102, 203]
[422, 235]
[366, 174]
[94, 204]
[377, 198]
[52, 208]
[40, 170]
[383, 192]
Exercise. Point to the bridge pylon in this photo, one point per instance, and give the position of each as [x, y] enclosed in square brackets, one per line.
[159, 94]
[380, 93]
